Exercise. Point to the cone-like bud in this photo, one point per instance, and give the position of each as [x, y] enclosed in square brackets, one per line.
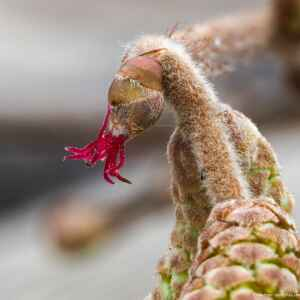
[256, 257]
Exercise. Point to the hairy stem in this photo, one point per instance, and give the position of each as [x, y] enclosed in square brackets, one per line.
[217, 46]
[215, 154]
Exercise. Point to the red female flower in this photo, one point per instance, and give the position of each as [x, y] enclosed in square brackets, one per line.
[107, 147]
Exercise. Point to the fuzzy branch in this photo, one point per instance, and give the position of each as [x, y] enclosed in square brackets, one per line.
[218, 45]
[217, 154]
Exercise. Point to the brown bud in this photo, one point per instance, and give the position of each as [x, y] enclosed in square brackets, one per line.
[136, 79]
[124, 91]
[146, 70]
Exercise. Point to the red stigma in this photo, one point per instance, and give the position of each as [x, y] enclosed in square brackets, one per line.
[106, 147]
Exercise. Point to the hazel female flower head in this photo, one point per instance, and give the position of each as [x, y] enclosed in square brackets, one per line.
[135, 102]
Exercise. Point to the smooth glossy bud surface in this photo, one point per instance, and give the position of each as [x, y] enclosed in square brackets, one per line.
[146, 70]
[136, 79]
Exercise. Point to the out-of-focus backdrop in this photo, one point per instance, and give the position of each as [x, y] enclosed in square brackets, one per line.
[64, 233]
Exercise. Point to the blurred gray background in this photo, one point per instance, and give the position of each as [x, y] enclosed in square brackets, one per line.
[57, 59]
